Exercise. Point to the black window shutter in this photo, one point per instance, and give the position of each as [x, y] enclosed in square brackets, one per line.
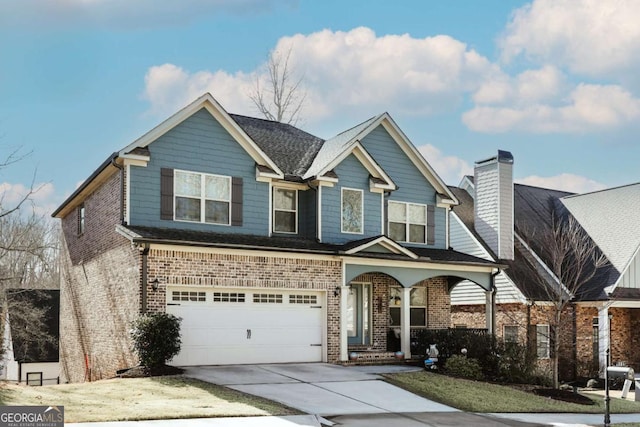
[431, 226]
[236, 201]
[166, 193]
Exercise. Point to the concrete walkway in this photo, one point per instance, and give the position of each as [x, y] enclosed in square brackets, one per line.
[318, 388]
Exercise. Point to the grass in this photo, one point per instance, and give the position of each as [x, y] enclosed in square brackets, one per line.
[142, 399]
[476, 396]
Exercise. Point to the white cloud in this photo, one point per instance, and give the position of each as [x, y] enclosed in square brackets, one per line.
[344, 71]
[587, 108]
[589, 37]
[126, 13]
[450, 168]
[43, 201]
[565, 182]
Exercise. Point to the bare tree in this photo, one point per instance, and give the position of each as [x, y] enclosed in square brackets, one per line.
[281, 97]
[28, 260]
[573, 260]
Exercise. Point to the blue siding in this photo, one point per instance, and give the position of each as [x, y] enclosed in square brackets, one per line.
[351, 174]
[413, 187]
[198, 144]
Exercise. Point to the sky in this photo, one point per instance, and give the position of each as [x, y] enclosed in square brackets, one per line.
[555, 82]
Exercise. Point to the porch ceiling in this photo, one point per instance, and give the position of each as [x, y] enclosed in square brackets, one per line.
[408, 276]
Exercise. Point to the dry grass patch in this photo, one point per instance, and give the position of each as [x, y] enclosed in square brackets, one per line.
[142, 399]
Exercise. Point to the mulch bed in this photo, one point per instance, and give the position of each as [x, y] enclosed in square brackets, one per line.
[141, 372]
[564, 395]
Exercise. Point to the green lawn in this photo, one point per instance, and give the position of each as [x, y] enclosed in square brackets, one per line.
[142, 399]
[475, 396]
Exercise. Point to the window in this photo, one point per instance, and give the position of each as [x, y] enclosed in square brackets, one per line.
[202, 197]
[228, 297]
[408, 222]
[81, 219]
[188, 296]
[267, 298]
[303, 299]
[34, 378]
[352, 210]
[542, 340]
[510, 333]
[417, 309]
[285, 210]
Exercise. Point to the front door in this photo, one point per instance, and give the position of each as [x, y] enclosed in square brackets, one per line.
[359, 314]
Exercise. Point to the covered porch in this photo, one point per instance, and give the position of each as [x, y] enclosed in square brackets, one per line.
[382, 302]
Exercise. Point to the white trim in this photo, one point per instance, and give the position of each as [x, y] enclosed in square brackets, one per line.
[296, 210]
[319, 214]
[407, 224]
[270, 208]
[342, 190]
[202, 198]
[382, 218]
[447, 231]
[431, 265]
[472, 237]
[127, 196]
[215, 109]
[385, 242]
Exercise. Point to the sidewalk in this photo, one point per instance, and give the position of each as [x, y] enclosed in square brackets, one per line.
[570, 419]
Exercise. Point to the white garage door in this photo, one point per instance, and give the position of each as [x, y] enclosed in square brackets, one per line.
[242, 326]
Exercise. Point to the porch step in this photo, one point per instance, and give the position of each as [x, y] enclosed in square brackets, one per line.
[372, 358]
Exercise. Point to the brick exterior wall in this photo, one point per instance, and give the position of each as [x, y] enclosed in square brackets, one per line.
[98, 290]
[184, 267]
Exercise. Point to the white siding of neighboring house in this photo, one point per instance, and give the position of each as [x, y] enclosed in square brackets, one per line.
[631, 276]
[466, 292]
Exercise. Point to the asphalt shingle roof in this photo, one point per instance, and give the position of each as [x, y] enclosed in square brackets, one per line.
[532, 208]
[292, 149]
[290, 244]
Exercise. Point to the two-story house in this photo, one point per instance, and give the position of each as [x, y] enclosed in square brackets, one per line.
[497, 219]
[271, 244]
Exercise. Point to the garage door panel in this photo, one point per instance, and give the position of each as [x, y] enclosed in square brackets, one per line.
[257, 330]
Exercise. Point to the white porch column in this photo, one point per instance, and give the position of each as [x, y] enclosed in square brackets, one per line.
[603, 338]
[344, 339]
[490, 310]
[405, 323]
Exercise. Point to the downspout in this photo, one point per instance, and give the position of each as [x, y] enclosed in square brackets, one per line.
[114, 163]
[19, 372]
[145, 253]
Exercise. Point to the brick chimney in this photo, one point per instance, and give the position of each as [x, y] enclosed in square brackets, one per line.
[493, 182]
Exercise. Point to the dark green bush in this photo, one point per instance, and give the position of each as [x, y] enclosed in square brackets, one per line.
[516, 363]
[464, 367]
[156, 339]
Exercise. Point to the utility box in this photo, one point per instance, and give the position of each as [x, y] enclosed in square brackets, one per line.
[627, 374]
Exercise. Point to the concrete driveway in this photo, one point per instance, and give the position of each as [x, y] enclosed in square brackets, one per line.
[318, 388]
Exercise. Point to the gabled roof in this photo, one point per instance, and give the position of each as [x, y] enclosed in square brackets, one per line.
[532, 220]
[48, 300]
[612, 219]
[344, 142]
[209, 103]
[378, 244]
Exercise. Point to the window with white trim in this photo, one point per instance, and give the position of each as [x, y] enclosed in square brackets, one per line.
[407, 222]
[201, 197]
[542, 341]
[352, 212]
[510, 333]
[285, 210]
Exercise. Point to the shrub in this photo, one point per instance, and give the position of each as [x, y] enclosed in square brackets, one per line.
[516, 363]
[464, 367]
[156, 339]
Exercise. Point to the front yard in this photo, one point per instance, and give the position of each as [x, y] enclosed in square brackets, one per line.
[477, 396]
[142, 399]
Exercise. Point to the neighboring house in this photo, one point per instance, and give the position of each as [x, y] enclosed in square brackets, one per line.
[271, 244]
[31, 343]
[499, 220]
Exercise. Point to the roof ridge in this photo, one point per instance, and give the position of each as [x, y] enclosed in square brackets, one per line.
[603, 190]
